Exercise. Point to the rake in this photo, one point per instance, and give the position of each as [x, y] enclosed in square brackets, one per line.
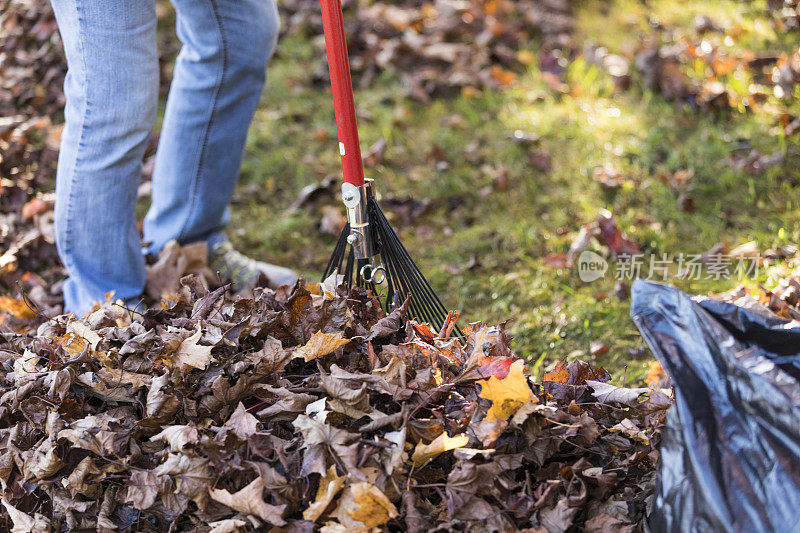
[369, 253]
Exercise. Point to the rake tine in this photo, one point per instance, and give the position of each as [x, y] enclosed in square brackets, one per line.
[403, 272]
[335, 262]
[403, 276]
[413, 276]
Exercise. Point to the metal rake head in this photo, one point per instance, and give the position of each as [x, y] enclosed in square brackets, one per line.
[402, 276]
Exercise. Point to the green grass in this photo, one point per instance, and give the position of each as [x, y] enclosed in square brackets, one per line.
[552, 314]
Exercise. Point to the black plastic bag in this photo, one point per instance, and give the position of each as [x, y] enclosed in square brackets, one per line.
[730, 454]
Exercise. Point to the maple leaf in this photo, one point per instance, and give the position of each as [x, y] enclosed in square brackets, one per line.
[84, 331]
[321, 344]
[143, 489]
[298, 304]
[191, 476]
[34, 207]
[425, 452]
[606, 393]
[424, 331]
[159, 403]
[191, 354]
[241, 423]
[229, 525]
[629, 429]
[72, 343]
[43, 462]
[489, 430]
[178, 437]
[249, 501]
[174, 262]
[95, 433]
[76, 482]
[575, 373]
[504, 77]
[329, 486]
[24, 523]
[507, 394]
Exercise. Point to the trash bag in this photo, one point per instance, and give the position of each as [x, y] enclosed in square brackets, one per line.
[730, 453]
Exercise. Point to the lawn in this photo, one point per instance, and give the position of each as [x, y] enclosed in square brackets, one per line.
[499, 210]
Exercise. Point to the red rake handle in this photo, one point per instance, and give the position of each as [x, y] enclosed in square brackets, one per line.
[343, 105]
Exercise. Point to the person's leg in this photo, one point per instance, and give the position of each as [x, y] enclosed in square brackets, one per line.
[111, 89]
[218, 78]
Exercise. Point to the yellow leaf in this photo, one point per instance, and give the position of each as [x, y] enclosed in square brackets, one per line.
[72, 343]
[470, 92]
[18, 308]
[372, 507]
[507, 394]
[525, 57]
[329, 487]
[89, 335]
[320, 344]
[425, 452]
[314, 288]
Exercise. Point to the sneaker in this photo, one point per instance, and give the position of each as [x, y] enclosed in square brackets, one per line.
[244, 271]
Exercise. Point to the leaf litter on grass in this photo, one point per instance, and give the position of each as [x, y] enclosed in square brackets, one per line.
[441, 47]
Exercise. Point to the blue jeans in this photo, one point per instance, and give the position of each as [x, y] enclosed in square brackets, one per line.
[112, 96]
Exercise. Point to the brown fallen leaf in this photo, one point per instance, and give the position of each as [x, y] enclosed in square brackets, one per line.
[320, 344]
[628, 428]
[24, 523]
[192, 354]
[607, 393]
[332, 222]
[174, 262]
[229, 525]
[656, 376]
[178, 436]
[249, 500]
[143, 489]
[557, 260]
[241, 423]
[608, 176]
[610, 235]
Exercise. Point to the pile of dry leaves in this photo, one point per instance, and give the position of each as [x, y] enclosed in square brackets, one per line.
[305, 408]
[443, 46]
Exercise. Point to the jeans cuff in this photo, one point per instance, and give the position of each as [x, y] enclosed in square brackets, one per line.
[215, 239]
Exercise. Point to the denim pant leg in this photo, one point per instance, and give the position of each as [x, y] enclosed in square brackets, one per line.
[218, 78]
[111, 89]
